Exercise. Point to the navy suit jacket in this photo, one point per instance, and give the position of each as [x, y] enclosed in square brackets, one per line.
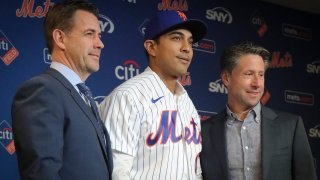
[56, 133]
[286, 153]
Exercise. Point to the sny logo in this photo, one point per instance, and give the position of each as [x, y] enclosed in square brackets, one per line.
[218, 87]
[167, 129]
[219, 14]
[6, 137]
[314, 67]
[106, 24]
[315, 132]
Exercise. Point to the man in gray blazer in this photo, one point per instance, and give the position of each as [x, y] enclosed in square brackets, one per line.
[247, 141]
[57, 134]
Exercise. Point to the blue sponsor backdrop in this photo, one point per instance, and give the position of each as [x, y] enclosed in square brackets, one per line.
[292, 36]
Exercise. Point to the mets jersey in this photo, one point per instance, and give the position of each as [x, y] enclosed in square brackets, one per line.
[160, 130]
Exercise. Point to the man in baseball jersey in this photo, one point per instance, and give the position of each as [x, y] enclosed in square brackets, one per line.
[154, 127]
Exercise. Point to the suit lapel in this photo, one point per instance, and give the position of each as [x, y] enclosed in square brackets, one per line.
[220, 142]
[77, 98]
[268, 137]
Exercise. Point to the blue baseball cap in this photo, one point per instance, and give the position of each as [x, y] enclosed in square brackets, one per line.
[165, 21]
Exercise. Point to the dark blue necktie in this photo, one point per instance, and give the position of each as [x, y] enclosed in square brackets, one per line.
[87, 93]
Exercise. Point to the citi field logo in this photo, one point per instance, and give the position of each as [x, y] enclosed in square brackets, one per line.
[6, 137]
[106, 24]
[185, 80]
[28, 9]
[7, 51]
[314, 67]
[315, 132]
[281, 62]
[297, 32]
[219, 14]
[129, 69]
[218, 87]
[205, 45]
[178, 5]
[259, 23]
[297, 97]
[47, 56]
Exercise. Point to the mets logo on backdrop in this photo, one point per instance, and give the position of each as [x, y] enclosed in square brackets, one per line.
[185, 80]
[7, 51]
[6, 137]
[181, 5]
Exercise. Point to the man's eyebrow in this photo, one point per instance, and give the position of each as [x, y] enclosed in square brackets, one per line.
[175, 32]
[93, 30]
[90, 29]
[178, 33]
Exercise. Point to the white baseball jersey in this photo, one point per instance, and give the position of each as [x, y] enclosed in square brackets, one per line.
[159, 129]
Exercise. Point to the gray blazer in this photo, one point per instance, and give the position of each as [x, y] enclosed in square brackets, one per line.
[286, 153]
[56, 133]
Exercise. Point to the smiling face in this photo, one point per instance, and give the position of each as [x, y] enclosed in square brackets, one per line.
[82, 44]
[245, 83]
[171, 55]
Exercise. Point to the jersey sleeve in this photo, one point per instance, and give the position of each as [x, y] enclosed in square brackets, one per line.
[120, 115]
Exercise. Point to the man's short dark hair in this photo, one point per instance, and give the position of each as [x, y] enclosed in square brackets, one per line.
[60, 16]
[231, 55]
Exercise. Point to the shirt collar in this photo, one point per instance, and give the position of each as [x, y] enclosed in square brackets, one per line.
[255, 111]
[68, 73]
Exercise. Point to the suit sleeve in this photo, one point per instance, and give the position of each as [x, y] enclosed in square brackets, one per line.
[37, 116]
[303, 163]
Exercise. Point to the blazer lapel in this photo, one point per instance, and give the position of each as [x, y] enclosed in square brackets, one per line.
[83, 106]
[220, 142]
[268, 136]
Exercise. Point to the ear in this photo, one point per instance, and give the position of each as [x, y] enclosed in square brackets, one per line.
[225, 77]
[149, 45]
[58, 37]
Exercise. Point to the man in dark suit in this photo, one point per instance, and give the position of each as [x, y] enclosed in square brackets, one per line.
[57, 134]
[247, 141]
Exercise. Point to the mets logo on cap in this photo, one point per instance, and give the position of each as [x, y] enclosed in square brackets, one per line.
[165, 21]
[182, 15]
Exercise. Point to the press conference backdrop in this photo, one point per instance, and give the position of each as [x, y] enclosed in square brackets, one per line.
[293, 37]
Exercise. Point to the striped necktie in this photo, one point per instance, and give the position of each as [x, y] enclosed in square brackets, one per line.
[87, 93]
